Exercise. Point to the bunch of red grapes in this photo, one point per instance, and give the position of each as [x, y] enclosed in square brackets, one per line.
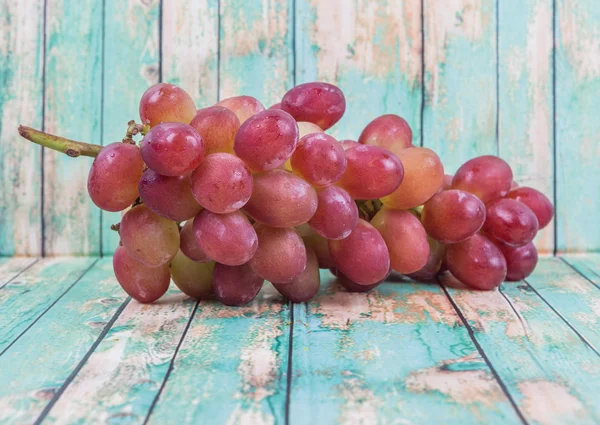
[231, 195]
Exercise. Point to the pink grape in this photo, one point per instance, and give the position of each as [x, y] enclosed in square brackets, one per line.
[142, 283]
[320, 246]
[319, 159]
[148, 237]
[169, 197]
[363, 256]
[192, 278]
[275, 106]
[536, 201]
[510, 222]
[520, 261]
[322, 104]
[165, 102]
[236, 285]
[243, 106]
[281, 199]
[487, 177]
[226, 238]
[430, 270]
[172, 149]
[371, 172]
[447, 183]
[266, 140]
[476, 262]
[281, 255]
[217, 126]
[352, 286]
[347, 144]
[305, 128]
[387, 131]
[337, 214]
[306, 285]
[452, 216]
[222, 183]
[112, 182]
[405, 238]
[189, 246]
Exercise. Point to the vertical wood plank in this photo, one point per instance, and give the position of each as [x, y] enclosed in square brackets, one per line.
[256, 52]
[130, 65]
[371, 50]
[33, 370]
[398, 354]
[525, 73]
[459, 120]
[21, 102]
[190, 44]
[577, 124]
[73, 110]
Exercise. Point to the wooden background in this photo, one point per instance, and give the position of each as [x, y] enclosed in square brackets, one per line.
[518, 78]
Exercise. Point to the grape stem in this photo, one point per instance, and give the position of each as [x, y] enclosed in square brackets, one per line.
[60, 144]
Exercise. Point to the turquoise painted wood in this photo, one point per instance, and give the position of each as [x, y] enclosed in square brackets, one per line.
[525, 100]
[33, 369]
[588, 265]
[21, 100]
[130, 65]
[10, 268]
[577, 124]
[232, 366]
[550, 373]
[371, 49]
[399, 352]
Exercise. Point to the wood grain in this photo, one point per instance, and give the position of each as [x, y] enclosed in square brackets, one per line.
[399, 352]
[10, 268]
[73, 110]
[587, 264]
[526, 97]
[371, 50]
[21, 101]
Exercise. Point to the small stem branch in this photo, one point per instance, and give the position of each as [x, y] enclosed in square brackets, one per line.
[60, 144]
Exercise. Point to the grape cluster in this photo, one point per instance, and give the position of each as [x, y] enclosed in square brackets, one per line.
[222, 198]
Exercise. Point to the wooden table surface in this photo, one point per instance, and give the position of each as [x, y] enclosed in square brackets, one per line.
[74, 349]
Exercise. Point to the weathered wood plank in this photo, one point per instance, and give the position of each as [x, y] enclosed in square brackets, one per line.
[36, 366]
[399, 352]
[460, 79]
[552, 375]
[24, 299]
[371, 50]
[256, 53]
[190, 42]
[121, 378]
[12, 267]
[586, 264]
[73, 110]
[21, 98]
[232, 366]
[130, 66]
[525, 75]
[577, 124]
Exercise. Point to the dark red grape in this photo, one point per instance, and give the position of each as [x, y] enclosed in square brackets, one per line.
[236, 285]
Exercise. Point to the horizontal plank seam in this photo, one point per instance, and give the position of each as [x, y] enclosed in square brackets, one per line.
[171, 364]
[82, 363]
[288, 386]
[483, 355]
[47, 309]
[564, 260]
[20, 273]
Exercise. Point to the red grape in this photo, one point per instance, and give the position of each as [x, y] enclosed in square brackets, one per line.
[306, 285]
[337, 214]
[217, 126]
[536, 201]
[236, 285]
[487, 177]
[243, 106]
[476, 262]
[172, 149]
[165, 102]
[452, 216]
[188, 244]
[319, 159]
[322, 104]
[275, 106]
[281, 255]
[510, 222]
[168, 196]
[226, 238]
[363, 256]
[192, 278]
[266, 140]
[371, 172]
[144, 284]
[281, 199]
[347, 144]
[387, 131]
[222, 183]
[405, 238]
[447, 183]
[320, 246]
[429, 271]
[520, 260]
[148, 237]
[352, 286]
[112, 182]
